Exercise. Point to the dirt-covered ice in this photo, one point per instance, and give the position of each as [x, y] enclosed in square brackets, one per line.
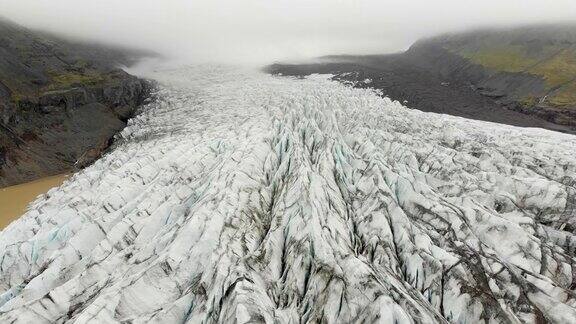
[243, 196]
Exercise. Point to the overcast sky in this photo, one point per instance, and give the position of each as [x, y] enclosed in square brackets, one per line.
[268, 30]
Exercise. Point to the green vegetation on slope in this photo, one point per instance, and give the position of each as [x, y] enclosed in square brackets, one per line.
[565, 96]
[558, 69]
[504, 59]
[555, 64]
[63, 80]
[32, 63]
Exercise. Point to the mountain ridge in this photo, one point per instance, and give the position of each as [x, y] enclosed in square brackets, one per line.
[531, 68]
[61, 102]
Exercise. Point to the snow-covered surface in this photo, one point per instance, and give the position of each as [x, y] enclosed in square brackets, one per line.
[243, 196]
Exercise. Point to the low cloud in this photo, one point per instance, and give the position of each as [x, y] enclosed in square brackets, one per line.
[261, 31]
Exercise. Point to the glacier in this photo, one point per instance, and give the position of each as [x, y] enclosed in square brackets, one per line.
[238, 196]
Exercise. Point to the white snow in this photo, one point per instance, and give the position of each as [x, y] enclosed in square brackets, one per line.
[243, 196]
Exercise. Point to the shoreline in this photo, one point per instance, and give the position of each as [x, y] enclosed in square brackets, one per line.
[14, 200]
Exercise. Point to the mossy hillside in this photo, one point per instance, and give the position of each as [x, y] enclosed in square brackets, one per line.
[558, 69]
[565, 96]
[503, 59]
[556, 64]
[61, 80]
[560, 75]
[28, 85]
[64, 80]
[34, 63]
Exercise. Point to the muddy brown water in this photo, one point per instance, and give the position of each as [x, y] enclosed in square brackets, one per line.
[15, 199]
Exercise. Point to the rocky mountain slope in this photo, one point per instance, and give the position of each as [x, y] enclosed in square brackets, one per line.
[239, 196]
[523, 77]
[60, 102]
[531, 69]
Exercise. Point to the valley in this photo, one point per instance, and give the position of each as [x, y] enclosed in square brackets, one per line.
[239, 195]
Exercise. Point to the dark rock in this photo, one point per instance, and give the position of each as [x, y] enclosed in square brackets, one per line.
[60, 103]
[2, 156]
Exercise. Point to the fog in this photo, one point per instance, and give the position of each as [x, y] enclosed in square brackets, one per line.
[261, 31]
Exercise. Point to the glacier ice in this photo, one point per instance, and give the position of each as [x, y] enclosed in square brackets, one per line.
[240, 196]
